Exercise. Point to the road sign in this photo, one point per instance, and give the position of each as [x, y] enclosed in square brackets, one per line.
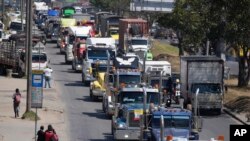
[37, 89]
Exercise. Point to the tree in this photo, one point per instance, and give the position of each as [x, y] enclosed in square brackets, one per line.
[221, 22]
[238, 34]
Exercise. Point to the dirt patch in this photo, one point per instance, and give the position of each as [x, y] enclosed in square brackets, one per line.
[237, 99]
[174, 60]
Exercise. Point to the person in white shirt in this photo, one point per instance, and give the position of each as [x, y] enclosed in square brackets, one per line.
[47, 75]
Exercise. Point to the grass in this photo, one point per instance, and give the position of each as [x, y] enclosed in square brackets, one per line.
[30, 116]
[163, 51]
[163, 48]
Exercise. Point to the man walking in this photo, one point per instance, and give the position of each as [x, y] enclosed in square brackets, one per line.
[47, 74]
[16, 102]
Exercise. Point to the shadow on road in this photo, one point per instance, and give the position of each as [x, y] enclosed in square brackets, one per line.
[100, 115]
[88, 99]
[108, 137]
[76, 83]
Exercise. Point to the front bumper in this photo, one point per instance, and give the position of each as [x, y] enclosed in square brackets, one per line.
[70, 57]
[78, 67]
[89, 77]
[127, 134]
[208, 106]
[98, 93]
[54, 38]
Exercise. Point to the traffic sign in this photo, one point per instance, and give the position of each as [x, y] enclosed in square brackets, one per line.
[37, 89]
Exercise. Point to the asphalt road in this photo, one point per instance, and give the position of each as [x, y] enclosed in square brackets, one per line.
[85, 119]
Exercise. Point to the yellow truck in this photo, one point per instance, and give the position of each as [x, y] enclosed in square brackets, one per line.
[97, 87]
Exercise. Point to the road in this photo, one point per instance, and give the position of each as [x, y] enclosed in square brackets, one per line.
[85, 119]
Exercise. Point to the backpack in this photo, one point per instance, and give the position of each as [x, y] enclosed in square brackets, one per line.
[17, 98]
[54, 138]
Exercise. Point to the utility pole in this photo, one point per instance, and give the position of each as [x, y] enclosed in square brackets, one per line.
[3, 10]
[21, 7]
[29, 52]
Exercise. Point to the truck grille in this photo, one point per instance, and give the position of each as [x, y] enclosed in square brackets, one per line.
[133, 122]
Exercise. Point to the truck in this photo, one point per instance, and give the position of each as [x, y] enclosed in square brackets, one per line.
[12, 57]
[110, 26]
[98, 20]
[75, 33]
[175, 122]
[133, 35]
[125, 71]
[205, 74]
[97, 87]
[62, 41]
[131, 100]
[97, 49]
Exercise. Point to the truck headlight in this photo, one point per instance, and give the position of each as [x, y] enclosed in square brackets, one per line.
[121, 126]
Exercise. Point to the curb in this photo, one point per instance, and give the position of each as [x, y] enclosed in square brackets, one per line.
[234, 116]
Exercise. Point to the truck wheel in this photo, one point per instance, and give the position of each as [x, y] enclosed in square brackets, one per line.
[2, 70]
[67, 62]
[218, 111]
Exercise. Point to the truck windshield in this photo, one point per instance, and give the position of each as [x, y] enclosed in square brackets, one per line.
[97, 54]
[16, 26]
[135, 79]
[100, 54]
[206, 88]
[155, 82]
[139, 42]
[113, 32]
[39, 58]
[137, 97]
[180, 121]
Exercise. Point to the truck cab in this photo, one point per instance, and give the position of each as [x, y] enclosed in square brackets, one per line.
[97, 50]
[129, 107]
[125, 71]
[75, 33]
[97, 87]
[139, 45]
[178, 123]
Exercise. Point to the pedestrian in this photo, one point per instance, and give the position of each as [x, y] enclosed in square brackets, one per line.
[16, 102]
[50, 134]
[47, 75]
[41, 134]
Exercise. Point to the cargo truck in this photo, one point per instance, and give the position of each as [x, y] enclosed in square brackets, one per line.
[110, 26]
[133, 33]
[205, 74]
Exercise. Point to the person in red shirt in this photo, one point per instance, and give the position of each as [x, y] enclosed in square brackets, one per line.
[49, 133]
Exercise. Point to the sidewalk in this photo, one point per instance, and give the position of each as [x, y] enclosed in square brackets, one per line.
[13, 129]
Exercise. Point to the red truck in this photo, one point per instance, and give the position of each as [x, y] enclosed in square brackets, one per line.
[129, 28]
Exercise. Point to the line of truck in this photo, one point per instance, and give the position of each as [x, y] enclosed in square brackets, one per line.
[138, 93]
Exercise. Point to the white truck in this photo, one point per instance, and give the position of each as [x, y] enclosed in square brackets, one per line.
[75, 33]
[97, 49]
[163, 66]
[203, 74]
[139, 45]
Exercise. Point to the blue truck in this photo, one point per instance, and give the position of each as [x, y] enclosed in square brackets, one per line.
[132, 103]
[175, 122]
[125, 70]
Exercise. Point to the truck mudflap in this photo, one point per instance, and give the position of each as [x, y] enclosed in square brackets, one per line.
[127, 134]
